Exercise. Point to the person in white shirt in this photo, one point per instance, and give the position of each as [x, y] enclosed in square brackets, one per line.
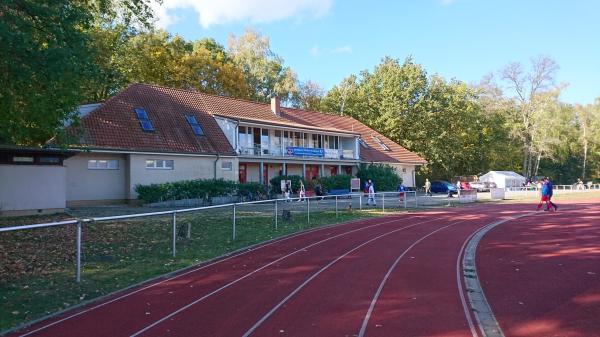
[371, 193]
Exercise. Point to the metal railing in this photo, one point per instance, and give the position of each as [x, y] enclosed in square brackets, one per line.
[258, 211]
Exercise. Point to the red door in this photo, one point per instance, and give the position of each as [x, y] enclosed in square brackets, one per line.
[242, 173]
[311, 171]
[333, 170]
[266, 175]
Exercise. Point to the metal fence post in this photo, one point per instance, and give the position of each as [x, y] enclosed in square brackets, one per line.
[189, 230]
[336, 206]
[406, 197]
[233, 228]
[174, 248]
[78, 253]
[275, 214]
[360, 201]
[383, 202]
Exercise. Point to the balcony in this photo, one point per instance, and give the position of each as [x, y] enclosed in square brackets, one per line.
[297, 152]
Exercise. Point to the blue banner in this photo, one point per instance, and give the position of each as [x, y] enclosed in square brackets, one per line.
[305, 152]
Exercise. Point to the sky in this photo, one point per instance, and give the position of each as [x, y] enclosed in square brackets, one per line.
[327, 40]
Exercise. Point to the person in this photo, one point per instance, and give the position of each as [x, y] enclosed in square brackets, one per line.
[287, 192]
[579, 184]
[550, 193]
[544, 195]
[319, 190]
[371, 193]
[401, 190]
[458, 186]
[427, 187]
[301, 191]
[366, 187]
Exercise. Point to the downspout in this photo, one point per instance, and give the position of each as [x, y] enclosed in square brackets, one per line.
[215, 165]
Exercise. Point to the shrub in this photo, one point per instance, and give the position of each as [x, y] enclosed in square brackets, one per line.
[383, 176]
[276, 183]
[335, 182]
[186, 189]
[248, 189]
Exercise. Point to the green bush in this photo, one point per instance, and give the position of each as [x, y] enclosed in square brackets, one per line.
[247, 189]
[340, 181]
[186, 189]
[276, 183]
[383, 176]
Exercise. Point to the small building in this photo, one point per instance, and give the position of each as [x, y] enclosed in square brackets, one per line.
[152, 134]
[504, 179]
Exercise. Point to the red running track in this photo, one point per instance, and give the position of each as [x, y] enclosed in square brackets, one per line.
[541, 274]
[391, 276]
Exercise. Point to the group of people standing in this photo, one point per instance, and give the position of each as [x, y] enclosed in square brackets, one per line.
[546, 190]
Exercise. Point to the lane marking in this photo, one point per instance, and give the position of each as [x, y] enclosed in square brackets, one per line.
[218, 260]
[459, 283]
[363, 328]
[280, 304]
[488, 325]
[261, 268]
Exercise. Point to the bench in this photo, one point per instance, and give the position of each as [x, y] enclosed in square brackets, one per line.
[340, 191]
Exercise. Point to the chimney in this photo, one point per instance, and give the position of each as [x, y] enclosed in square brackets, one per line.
[276, 105]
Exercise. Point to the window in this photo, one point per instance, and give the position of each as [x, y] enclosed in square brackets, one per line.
[363, 143]
[144, 120]
[49, 160]
[381, 144]
[23, 159]
[194, 124]
[103, 164]
[226, 166]
[159, 164]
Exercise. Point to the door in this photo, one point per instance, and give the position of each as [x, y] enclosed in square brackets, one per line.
[242, 173]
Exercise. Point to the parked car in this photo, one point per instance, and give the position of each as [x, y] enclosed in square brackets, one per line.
[442, 186]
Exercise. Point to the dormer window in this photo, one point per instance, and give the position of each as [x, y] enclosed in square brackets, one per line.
[144, 120]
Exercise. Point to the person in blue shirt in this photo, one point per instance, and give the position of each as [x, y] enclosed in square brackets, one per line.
[544, 195]
[550, 191]
[401, 190]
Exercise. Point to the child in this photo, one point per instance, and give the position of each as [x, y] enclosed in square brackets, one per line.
[401, 190]
[371, 194]
[302, 192]
[545, 195]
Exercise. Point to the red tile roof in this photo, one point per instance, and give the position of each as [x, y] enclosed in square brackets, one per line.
[375, 153]
[114, 124]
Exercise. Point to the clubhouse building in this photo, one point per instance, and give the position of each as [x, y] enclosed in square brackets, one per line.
[151, 134]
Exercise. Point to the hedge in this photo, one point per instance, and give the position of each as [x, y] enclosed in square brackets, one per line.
[384, 177]
[191, 189]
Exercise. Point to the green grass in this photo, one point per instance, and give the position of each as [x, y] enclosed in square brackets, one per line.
[37, 272]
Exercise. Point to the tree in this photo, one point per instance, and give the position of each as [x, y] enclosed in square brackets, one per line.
[264, 71]
[45, 56]
[336, 99]
[309, 96]
[528, 89]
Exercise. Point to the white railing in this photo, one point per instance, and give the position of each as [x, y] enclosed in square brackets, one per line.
[384, 200]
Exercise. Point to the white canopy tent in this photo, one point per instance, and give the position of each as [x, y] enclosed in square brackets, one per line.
[504, 179]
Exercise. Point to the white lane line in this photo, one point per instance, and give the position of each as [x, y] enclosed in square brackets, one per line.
[459, 283]
[488, 325]
[189, 272]
[363, 328]
[259, 269]
[280, 304]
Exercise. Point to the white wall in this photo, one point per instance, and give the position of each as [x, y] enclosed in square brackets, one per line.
[229, 129]
[31, 187]
[405, 171]
[83, 184]
[184, 168]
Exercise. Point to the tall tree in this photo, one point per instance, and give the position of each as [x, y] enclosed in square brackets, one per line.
[264, 71]
[527, 89]
[309, 96]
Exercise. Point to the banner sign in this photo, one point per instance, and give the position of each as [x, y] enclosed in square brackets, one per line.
[332, 153]
[305, 152]
[355, 184]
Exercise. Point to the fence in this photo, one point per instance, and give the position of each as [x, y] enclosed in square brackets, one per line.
[209, 223]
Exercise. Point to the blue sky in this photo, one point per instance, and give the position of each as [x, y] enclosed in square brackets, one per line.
[327, 40]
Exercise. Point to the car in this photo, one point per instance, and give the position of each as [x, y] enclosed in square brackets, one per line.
[442, 186]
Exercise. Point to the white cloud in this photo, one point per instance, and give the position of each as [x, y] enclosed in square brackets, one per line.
[342, 50]
[215, 12]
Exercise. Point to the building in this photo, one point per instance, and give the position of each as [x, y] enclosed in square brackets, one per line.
[151, 134]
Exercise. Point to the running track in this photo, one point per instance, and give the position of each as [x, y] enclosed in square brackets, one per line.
[392, 276]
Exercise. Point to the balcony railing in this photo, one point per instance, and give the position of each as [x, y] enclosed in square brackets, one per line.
[272, 151]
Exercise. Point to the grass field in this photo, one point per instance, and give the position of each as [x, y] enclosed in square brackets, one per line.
[38, 266]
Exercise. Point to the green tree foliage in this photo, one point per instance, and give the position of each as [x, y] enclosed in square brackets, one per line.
[264, 71]
[309, 96]
[45, 56]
